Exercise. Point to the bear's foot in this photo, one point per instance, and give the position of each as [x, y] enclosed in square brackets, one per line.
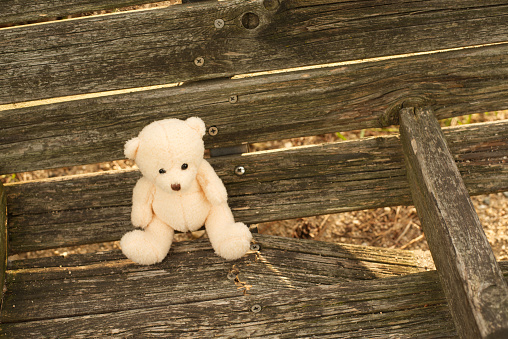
[235, 244]
[147, 247]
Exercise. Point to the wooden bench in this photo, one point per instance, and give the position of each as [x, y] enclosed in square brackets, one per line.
[73, 91]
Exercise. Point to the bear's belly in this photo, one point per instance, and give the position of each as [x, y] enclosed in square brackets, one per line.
[183, 212]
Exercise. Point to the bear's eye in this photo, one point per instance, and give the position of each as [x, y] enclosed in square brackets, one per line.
[185, 166]
[162, 171]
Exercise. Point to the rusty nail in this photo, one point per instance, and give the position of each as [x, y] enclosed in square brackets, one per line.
[219, 23]
[231, 276]
[213, 130]
[233, 99]
[199, 61]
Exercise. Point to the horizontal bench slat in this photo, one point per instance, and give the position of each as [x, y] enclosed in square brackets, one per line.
[277, 185]
[142, 48]
[111, 282]
[109, 276]
[21, 11]
[316, 101]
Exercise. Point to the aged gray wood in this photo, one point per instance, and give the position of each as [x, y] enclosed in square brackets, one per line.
[104, 283]
[312, 102]
[142, 48]
[3, 237]
[409, 306]
[277, 185]
[23, 11]
[472, 280]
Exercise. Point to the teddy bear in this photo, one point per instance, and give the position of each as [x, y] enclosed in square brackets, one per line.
[179, 190]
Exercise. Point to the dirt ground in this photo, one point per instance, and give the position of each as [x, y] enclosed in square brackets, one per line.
[389, 227]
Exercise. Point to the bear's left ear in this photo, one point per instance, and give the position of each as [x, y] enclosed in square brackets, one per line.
[131, 148]
[197, 124]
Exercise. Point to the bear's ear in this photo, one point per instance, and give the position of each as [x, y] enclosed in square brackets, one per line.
[197, 124]
[131, 148]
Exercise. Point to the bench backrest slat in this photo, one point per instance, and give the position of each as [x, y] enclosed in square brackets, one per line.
[152, 47]
[264, 108]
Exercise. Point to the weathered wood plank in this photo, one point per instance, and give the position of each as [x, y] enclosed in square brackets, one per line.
[390, 257]
[3, 237]
[403, 307]
[23, 11]
[472, 280]
[411, 306]
[312, 102]
[306, 181]
[191, 273]
[143, 48]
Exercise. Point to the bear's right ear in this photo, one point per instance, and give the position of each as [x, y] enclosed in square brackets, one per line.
[197, 124]
[131, 148]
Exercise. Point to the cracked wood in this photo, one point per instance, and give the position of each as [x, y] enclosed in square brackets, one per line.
[143, 48]
[312, 102]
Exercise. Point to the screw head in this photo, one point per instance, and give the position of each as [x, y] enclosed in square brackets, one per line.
[255, 247]
[240, 170]
[233, 99]
[231, 276]
[256, 308]
[271, 4]
[213, 130]
[200, 61]
[219, 23]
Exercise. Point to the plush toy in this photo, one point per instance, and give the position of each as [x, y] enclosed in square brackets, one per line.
[179, 190]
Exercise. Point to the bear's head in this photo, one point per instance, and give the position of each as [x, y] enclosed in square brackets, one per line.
[169, 152]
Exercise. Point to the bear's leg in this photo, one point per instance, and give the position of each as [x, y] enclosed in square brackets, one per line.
[230, 240]
[148, 246]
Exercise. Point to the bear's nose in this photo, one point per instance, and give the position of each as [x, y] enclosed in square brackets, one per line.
[175, 187]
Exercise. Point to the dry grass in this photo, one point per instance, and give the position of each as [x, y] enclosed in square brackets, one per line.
[389, 227]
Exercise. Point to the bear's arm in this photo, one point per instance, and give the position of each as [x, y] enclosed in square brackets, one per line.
[142, 198]
[212, 185]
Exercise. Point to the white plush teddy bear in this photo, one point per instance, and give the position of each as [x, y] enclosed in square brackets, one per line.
[179, 190]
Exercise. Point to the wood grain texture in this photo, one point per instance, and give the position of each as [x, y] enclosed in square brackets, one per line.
[472, 280]
[277, 185]
[321, 284]
[143, 48]
[23, 11]
[312, 102]
[108, 282]
[3, 237]
[404, 307]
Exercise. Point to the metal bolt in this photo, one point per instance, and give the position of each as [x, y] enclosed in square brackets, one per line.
[231, 276]
[240, 170]
[255, 247]
[200, 61]
[213, 130]
[219, 23]
[233, 99]
[256, 308]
